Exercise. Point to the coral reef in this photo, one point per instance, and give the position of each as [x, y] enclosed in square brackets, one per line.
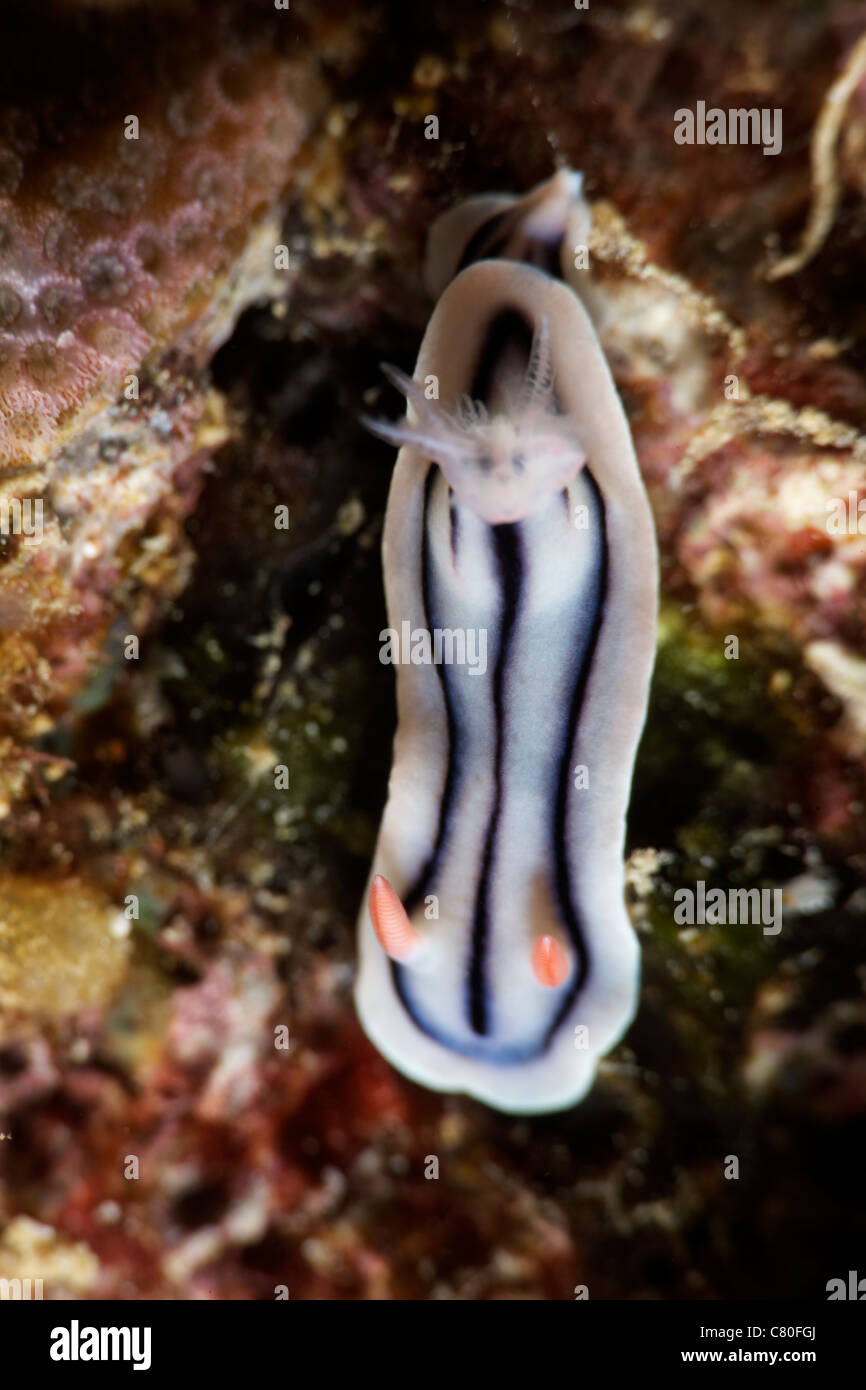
[116, 234]
[214, 1041]
[136, 222]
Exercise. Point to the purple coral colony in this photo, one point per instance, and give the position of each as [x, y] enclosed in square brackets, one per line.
[533, 967]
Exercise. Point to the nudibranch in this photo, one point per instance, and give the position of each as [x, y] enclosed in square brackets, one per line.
[545, 229]
[496, 953]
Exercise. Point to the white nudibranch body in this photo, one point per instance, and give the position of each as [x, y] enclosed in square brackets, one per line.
[496, 953]
[501, 466]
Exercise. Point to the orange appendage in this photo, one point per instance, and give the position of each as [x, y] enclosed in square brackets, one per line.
[549, 961]
[394, 931]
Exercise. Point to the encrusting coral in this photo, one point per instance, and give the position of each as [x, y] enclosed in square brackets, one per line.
[136, 223]
[115, 243]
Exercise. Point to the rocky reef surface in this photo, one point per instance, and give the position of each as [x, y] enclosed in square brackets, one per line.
[192, 312]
